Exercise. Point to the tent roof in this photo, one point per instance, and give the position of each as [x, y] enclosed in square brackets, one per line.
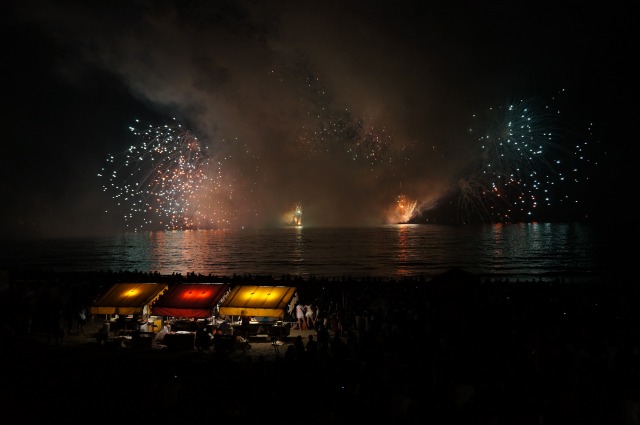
[127, 298]
[195, 300]
[262, 301]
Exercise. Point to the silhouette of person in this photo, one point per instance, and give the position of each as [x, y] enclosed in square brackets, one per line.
[298, 344]
[290, 354]
[312, 348]
[244, 325]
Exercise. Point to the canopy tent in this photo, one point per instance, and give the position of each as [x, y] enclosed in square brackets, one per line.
[128, 298]
[261, 301]
[196, 300]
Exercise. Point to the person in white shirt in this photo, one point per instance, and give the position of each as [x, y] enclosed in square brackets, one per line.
[300, 316]
[310, 316]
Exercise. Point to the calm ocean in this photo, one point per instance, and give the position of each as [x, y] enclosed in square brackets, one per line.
[516, 251]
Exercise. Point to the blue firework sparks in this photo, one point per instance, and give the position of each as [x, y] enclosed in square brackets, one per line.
[527, 164]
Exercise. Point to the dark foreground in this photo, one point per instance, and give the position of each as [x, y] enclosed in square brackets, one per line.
[452, 350]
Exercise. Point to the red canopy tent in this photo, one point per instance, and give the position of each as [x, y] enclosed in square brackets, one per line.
[195, 300]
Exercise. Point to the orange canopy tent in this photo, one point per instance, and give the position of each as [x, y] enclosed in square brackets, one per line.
[196, 300]
[261, 301]
[128, 298]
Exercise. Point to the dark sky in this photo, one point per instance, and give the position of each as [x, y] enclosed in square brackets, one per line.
[338, 106]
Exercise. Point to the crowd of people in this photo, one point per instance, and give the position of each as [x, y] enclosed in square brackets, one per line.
[454, 349]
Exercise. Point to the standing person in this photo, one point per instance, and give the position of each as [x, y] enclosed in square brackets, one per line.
[57, 328]
[299, 348]
[82, 319]
[244, 325]
[312, 348]
[323, 338]
[203, 339]
[309, 314]
[300, 316]
[290, 354]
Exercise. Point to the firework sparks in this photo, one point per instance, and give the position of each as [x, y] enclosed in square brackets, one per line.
[297, 215]
[327, 128]
[523, 164]
[292, 217]
[168, 181]
[403, 210]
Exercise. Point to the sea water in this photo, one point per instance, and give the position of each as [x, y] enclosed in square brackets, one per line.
[507, 251]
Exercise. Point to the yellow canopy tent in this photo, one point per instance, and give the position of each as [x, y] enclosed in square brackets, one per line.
[259, 301]
[128, 298]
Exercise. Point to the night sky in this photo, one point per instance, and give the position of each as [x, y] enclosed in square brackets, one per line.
[339, 107]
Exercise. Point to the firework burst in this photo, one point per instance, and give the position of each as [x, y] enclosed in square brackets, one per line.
[525, 164]
[167, 181]
[402, 211]
[327, 128]
[293, 216]
[406, 208]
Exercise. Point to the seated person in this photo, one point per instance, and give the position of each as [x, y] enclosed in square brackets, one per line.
[160, 335]
[225, 328]
[203, 339]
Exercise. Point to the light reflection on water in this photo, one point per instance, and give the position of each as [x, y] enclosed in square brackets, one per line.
[517, 251]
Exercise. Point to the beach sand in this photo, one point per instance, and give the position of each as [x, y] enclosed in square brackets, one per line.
[81, 380]
[453, 352]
